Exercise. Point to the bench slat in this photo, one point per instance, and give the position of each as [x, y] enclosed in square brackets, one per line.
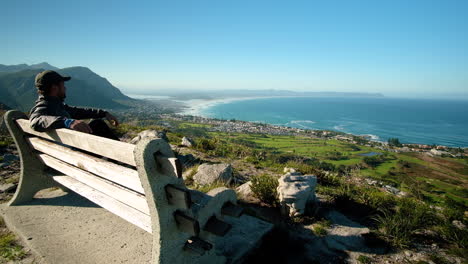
[117, 192]
[113, 149]
[113, 172]
[128, 213]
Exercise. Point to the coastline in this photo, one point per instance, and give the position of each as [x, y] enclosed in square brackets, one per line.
[195, 107]
[198, 107]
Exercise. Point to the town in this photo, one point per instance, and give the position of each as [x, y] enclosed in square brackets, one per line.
[237, 126]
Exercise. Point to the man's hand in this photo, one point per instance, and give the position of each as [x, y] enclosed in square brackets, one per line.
[112, 119]
[81, 126]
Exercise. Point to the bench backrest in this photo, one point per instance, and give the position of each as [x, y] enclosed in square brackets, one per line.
[141, 183]
[100, 169]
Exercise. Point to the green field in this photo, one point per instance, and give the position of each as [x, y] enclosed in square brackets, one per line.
[435, 177]
[184, 125]
[307, 147]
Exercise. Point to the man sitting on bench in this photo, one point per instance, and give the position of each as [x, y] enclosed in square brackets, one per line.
[50, 112]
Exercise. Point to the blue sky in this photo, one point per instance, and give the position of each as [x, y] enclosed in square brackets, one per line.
[399, 48]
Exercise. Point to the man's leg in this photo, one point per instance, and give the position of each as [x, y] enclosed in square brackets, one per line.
[101, 129]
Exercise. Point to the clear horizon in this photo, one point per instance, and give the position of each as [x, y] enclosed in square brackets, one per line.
[398, 48]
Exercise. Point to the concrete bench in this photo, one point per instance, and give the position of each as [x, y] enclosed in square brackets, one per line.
[140, 183]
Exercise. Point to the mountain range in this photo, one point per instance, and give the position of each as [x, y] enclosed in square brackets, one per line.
[86, 88]
[180, 94]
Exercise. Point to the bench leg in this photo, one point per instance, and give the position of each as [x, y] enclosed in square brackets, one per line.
[32, 176]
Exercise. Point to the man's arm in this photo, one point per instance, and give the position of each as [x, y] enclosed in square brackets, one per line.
[85, 113]
[42, 121]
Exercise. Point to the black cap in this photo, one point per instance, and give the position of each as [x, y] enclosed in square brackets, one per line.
[46, 78]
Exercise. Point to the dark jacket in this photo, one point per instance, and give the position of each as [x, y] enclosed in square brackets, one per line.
[50, 113]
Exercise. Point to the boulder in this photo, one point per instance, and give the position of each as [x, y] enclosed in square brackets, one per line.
[149, 133]
[187, 160]
[188, 174]
[210, 173]
[245, 190]
[3, 128]
[295, 192]
[188, 142]
[7, 187]
[391, 189]
[458, 224]
[7, 158]
[289, 170]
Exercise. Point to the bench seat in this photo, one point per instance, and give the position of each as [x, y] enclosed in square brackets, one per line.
[140, 183]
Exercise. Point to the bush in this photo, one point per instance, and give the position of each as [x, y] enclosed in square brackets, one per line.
[209, 187]
[264, 188]
[364, 259]
[394, 142]
[375, 199]
[320, 227]
[206, 144]
[10, 250]
[336, 155]
[373, 161]
[398, 225]
[329, 179]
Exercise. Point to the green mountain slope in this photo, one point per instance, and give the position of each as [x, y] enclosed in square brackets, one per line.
[22, 67]
[86, 88]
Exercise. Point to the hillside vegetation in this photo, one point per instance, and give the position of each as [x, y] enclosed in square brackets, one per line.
[407, 199]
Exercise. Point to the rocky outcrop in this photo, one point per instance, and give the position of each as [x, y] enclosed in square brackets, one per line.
[211, 173]
[187, 142]
[245, 190]
[150, 133]
[295, 192]
[289, 170]
[187, 160]
[6, 159]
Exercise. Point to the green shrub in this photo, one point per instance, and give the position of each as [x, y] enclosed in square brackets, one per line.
[398, 225]
[373, 161]
[264, 188]
[364, 259]
[320, 230]
[207, 144]
[457, 237]
[189, 178]
[437, 259]
[320, 227]
[374, 198]
[174, 138]
[336, 155]
[9, 249]
[5, 141]
[394, 142]
[329, 179]
[209, 187]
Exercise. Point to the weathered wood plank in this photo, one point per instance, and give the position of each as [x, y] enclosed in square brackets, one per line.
[117, 192]
[109, 148]
[126, 212]
[178, 196]
[119, 174]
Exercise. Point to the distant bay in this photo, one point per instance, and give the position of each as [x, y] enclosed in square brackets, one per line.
[423, 121]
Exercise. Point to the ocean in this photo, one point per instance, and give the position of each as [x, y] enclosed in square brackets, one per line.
[423, 121]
